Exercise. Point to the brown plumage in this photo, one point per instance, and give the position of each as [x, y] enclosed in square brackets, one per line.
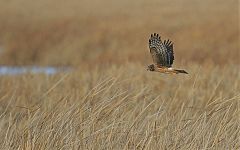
[163, 56]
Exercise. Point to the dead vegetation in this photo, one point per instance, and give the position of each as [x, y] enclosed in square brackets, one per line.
[110, 101]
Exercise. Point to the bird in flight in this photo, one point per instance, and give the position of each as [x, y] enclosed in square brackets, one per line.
[163, 56]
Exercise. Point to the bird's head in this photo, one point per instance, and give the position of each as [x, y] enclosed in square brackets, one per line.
[150, 67]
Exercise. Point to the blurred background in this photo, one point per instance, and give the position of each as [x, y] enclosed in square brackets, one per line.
[89, 33]
[110, 101]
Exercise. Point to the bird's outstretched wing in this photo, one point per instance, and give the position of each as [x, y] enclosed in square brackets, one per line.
[162, 52]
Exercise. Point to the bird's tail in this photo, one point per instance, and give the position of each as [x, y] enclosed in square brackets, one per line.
[180, 71]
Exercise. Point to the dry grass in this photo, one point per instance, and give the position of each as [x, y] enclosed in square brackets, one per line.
[74, 33]
[110, 101]
[113, 109]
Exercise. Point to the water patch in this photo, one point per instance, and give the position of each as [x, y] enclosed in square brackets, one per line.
[9, 70]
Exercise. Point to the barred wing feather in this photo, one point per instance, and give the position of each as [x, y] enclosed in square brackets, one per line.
[162, 52]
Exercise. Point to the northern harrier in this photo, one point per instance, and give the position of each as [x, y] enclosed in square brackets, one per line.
[162, 54]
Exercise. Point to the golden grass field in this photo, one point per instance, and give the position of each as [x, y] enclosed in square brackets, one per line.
[109, 100]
